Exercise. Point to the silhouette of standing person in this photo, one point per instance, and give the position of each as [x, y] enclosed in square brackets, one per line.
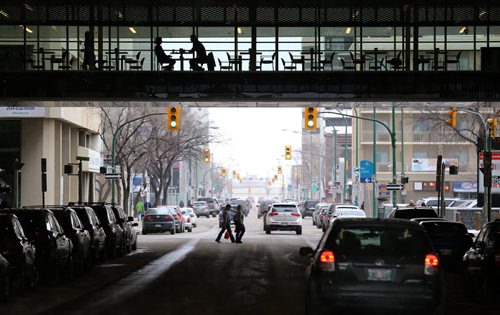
[88, 52]
[162, 57]
[200, 56]
[240, 226]
[226, 225]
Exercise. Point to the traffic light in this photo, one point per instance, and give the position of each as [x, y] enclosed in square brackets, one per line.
[280, 170]
[174, 118]
[452, 122]
[206, 155]
[288, 152]
[275, 177]
[223, 172]
[310, 118]
[492, 122]
[234, 174]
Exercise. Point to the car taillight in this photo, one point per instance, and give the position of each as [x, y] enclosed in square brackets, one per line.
[169, 218]
[431, 264]
[273, 213]
[189, 220]
[327, 260]
[147, 218]
[295, 214]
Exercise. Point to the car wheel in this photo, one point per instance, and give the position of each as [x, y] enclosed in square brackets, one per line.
[134, 246]
[313, 303]
[190, 229]
[323, 227]
[214, 215]
[268, 231]
[299, 231]
[172, 231]
[144, 232]
[5, 288]
[33, 279]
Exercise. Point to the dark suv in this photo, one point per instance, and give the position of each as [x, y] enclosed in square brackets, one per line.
[54, 250]
[482, 262]
[412, 212]
[308, 208]
[115, 241]
[371, 264]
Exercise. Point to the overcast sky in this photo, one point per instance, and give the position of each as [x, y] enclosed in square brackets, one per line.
[253, 138]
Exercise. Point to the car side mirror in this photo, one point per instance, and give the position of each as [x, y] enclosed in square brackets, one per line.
[480, 245]
[130, 219]
[135, 224]
[306, 251]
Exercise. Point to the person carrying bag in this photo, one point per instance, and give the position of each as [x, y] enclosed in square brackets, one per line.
[226, 225]
[238, 222]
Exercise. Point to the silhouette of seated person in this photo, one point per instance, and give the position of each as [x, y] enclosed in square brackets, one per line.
[162, 58]
[200, 54]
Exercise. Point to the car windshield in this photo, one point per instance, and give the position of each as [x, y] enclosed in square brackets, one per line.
[447, 228]
[364, 243]
[284, 208]
[415, 213]
[351, 212]
[31, 223]
[199, 204]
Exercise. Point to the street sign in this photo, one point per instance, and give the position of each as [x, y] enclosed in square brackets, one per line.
[395, 187]
[356, 170]
[366, 171]
[113, 176]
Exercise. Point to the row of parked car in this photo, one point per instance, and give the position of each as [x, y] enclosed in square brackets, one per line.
[169, 219]
[56, 242]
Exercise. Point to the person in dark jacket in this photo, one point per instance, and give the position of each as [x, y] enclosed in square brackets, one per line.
[226, 225]
[88, 52]
[161, 57]
[200, 54]
[240, 226]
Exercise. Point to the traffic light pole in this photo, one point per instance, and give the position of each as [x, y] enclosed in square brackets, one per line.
[113, 147]
[393, 141]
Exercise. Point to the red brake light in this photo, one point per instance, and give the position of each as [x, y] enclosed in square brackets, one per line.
[327, 260]
[431, 264]
[169, 218]
[273, 213]
[147, 218]
[189, 220]
[295, 214]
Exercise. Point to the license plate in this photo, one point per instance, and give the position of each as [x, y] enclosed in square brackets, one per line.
[379, 274]
[157, 225]
[284, 223]
[446, 252]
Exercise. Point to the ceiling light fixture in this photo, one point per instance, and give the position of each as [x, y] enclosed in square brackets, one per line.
[464, 30]
[27, 29]
[239, 30]
[482, 13]
[348, 30]
[2, 12]
[28, 7]
[132, 30]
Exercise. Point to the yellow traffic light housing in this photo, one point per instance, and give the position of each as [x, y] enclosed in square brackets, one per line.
[234, 174]
[452, 122]
[310, 118]
[288, 152]
[223, 172]
[280, 169]
[174, 118]
[492, 122]
[206, 155]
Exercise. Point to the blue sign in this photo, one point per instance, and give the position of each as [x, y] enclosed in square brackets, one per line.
[366, 171]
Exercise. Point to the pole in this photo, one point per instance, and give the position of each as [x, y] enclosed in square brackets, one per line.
[403, 197]
[310, 164]
[374, 203]
[80, 182]
[335, 160]
[113, 148]
[357, 160]
[393, 139]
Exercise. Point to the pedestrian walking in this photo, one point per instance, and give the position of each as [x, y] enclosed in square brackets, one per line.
[240, 226]
[139, 209]
[226, 225]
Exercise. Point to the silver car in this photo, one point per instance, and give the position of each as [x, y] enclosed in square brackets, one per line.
[201, 209]
[283, 216]
[188, 223]
[159, 219]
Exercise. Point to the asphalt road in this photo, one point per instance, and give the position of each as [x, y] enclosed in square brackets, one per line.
[190, 273]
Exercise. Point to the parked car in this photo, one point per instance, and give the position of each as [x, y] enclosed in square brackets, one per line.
[187, 220]
[160, 219]
[97, 234]
[364, 263]
[19, 252]
[4, 279]
[451, 240]
[201, 209]
[283, 216]
[54, 250]
[263, 207]
[80, 237]
[213, 205]
[115, 244]
[482, 262]
[308, 208]
[192, 215]
[341, 210]
[321, 216]
[433, 202]
[180, 223]
[412, 212]
[127, 224]
[317, 210]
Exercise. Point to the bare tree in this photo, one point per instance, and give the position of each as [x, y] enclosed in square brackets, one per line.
[170, 147]
[131, 142]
